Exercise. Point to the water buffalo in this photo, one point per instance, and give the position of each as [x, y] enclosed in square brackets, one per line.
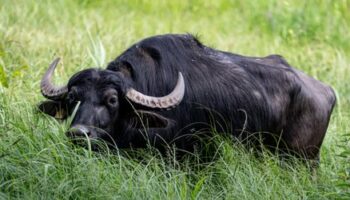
[171, 89]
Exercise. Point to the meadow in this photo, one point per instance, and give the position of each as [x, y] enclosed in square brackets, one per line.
[37, 160]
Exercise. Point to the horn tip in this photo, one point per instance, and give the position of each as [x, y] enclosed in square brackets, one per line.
[57, 59]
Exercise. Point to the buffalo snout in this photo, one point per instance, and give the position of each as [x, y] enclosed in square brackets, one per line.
[79, 131]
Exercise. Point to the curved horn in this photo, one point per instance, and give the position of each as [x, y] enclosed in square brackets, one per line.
[170, 100]
[49, 90]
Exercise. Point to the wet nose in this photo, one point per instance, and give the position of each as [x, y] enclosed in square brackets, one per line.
[79, 131]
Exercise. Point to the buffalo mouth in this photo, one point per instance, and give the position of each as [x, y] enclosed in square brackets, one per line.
[87, 135]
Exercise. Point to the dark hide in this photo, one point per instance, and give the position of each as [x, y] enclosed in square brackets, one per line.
[246, 97]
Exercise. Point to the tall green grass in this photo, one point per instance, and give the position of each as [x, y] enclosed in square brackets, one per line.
[37, 161]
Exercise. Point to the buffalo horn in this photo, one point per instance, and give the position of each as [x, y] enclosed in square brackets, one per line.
[48, 89]
[168, 101]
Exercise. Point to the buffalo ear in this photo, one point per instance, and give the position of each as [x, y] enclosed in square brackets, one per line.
[55, 109]
[147, 119]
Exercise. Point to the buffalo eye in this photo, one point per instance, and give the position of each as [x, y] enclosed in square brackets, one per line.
[112, 100]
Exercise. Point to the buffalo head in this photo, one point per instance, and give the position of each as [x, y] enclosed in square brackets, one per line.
[95, 96]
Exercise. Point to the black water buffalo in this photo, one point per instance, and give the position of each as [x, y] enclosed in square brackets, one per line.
[171, 89]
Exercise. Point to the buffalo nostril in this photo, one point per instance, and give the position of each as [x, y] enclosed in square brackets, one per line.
[78, 131]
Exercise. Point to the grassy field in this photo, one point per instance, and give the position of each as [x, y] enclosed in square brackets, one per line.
[37, 161]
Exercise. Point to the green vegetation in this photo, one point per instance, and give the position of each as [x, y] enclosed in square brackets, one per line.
[37, 161]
